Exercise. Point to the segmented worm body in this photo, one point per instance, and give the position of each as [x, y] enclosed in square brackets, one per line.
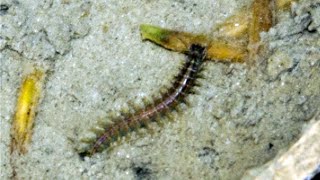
[182, 86]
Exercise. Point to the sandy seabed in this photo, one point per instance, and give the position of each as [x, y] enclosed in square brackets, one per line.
[96, 63]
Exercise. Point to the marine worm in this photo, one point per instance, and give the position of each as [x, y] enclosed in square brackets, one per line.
[176, 93]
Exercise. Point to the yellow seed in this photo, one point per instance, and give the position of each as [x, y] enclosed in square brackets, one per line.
[28, 100]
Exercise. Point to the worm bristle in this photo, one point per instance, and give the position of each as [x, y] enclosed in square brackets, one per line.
[125, 111]
[145, 123]
[200, 76]
[138, 107]
[84, 152]
[170, 117]
[135, 106]
[147, 101]
[159, 120]
[194, 91]
[89, 138]
[131, 103]
[136, 124]
[185, 101]
[112, 115]
[179, 109]
[98, 130]
[198, 83]
[151, 129]
[124, 128]
[163, 91]
[103, 122]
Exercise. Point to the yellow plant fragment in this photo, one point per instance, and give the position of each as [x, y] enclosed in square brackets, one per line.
[261, 19]
[173, 40]
[224, 51]
[181, 41]
[236, 26]
[27, 102]
[283, 4]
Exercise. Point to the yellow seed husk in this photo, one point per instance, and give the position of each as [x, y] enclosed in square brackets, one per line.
[27, 103]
